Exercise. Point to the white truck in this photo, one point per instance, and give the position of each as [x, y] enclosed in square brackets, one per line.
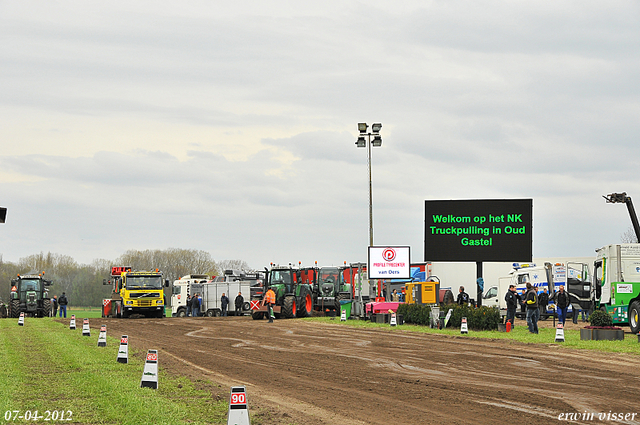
[573, 276]
[211, 291]
[617, 276]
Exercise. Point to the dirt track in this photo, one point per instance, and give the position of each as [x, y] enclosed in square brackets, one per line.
[312, 373]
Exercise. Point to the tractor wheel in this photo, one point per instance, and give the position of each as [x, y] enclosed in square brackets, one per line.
[15, 308]
[339, 298]
[257, 315]
[634, 317]
[3, 311]
[46, 307]
[305, 307]
[289, 306]
[448, 298]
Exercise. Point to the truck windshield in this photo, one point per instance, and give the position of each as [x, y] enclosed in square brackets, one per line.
[30, 285]
[144, 282]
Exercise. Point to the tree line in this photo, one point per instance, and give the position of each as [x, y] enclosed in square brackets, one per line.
[82, 283]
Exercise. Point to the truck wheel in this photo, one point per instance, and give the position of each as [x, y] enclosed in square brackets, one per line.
[246, 306]
[634, 317]
[182, 313]
[210, 313]
[15, 308]
[46, 307]
[257, 315]
[217, 313]
[289, 306]
[306, 305]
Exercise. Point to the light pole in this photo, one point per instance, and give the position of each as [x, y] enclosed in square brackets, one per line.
[361, 143]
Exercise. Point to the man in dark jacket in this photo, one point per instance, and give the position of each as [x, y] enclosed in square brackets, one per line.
[463, 297]
[224, 302]
[195, 305]
[561, 299]
[55, 305]
[238, 302]
[533, 312]
[543, 301]
[513, 300]
[62, 302]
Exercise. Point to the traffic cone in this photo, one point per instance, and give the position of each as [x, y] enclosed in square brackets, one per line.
[150, 374]
[72, 322]
[463, 326]
[123, 351]
[102, 338]
[21, 319]
[238, 410]
[559, 333]
[85, 328]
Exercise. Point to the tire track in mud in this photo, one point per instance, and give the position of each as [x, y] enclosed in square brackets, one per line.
[378, 376]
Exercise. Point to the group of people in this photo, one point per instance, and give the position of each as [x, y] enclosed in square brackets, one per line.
[533, 303]
[61, 302]
[195, 302]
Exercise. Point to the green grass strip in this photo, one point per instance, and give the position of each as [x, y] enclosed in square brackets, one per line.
[49, 367]
[520, 334]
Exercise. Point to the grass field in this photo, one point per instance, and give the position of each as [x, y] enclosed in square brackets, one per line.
[48, 367]
[520, 334]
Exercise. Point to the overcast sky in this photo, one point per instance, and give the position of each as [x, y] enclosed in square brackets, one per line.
[230, 127]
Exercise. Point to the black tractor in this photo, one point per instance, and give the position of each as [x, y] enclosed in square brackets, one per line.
[29, 295]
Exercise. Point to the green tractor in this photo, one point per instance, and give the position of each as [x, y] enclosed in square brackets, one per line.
[330, 288]
[293, 298]
[29, 295]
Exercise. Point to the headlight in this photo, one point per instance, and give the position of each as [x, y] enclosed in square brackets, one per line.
[129, 302]
[160, 302]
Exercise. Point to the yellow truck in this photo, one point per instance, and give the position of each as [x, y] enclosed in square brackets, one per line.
[135, 292]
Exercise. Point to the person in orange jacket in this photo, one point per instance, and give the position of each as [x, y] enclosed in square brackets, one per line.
[269, 300]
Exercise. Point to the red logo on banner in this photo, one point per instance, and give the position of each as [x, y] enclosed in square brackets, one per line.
[255, 304]
[389, 254]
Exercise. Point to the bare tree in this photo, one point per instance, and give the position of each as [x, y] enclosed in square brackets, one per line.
[235, 265]
[629, 236]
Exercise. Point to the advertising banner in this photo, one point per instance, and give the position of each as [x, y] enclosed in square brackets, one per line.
[389, 262]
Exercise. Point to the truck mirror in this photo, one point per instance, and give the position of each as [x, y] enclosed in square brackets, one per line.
[166, 283]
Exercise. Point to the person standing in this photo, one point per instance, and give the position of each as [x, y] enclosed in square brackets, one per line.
[513, 300]
[239, 301]
[561, 299]
[395, 297]
[195, 305]
[224, 301]
[269, 300]
[188, 305]
[533, 312]
[463, 297]
[54, 301]
[543, 301]
[62, 302]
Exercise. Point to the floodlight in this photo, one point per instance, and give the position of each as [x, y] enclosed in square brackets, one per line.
[377, 141]
[376, 127]
[361, 143]
[362, 126]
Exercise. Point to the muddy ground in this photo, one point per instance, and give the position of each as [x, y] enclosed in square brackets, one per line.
[302, 372]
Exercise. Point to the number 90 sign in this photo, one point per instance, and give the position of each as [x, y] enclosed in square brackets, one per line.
[238, 398]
